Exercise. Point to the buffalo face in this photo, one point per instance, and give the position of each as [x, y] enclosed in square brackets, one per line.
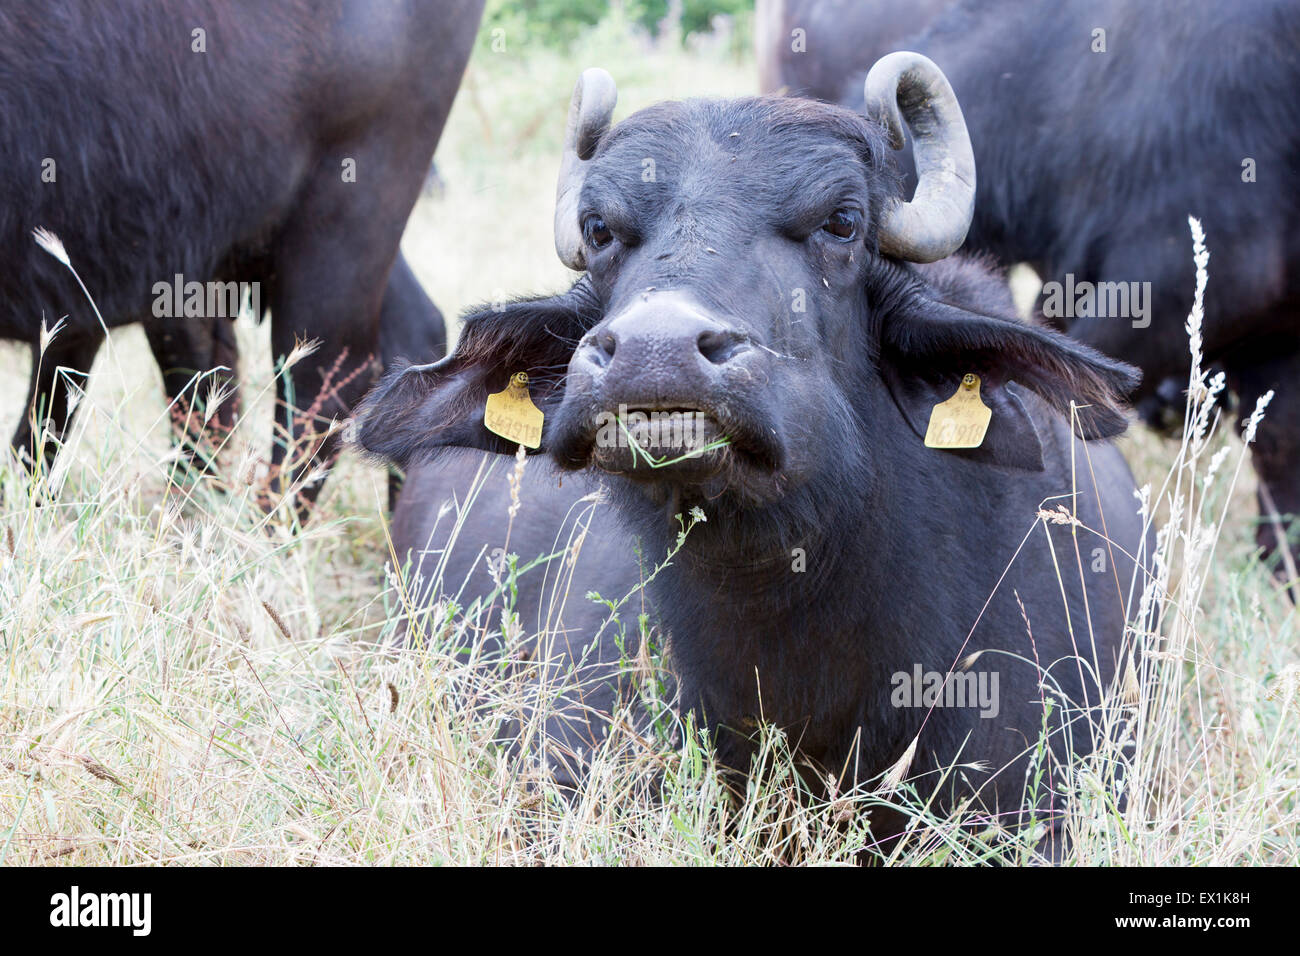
[731, 269]
[748, 320]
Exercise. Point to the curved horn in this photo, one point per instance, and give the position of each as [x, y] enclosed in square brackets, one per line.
[933, 225]
[590, 112]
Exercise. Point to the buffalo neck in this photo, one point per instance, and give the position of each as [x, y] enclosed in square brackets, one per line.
[792, 603]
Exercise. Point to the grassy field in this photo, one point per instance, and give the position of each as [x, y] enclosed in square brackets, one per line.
[184, 681]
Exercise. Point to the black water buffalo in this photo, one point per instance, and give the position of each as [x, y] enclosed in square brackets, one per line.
[811, 47]
[270, 149]
[754, 282]
[1098, 127]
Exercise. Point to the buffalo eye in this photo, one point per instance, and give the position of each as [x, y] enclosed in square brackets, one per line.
[843, 224]
[596, 233]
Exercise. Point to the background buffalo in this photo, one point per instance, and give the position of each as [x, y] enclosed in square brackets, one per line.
[280, 148]
[1098, 128]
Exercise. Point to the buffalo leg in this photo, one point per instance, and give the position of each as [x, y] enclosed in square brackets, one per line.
[411, 329]
[68, 355]
[332, 264]
[186, 350]
[1276, 451]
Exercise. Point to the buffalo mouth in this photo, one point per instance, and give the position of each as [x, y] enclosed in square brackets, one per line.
[679, 442]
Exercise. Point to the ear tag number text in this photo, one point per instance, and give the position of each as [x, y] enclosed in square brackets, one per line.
[961, 421]
[512, 414]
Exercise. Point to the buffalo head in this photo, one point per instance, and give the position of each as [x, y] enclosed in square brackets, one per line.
[749, 275]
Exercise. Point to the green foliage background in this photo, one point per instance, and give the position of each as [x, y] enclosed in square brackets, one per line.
[557, 23]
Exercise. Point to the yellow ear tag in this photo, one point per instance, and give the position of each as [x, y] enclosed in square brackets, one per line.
[962, 420]
[512, 414]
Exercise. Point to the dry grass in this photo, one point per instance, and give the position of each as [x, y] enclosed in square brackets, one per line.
[180, 684]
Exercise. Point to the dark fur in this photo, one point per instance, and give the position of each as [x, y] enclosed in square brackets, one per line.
[222, 165]
[832, 39]
[1090, 163]
[904, 544]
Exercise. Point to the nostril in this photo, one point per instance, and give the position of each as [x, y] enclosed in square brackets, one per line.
[607, 343]
[718, 347]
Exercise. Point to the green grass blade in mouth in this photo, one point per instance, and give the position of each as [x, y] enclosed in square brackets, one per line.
[638, 452]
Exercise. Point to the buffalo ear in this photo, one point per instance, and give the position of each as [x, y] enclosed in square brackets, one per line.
[418, 409]
[1012, 439]
[927, 345]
